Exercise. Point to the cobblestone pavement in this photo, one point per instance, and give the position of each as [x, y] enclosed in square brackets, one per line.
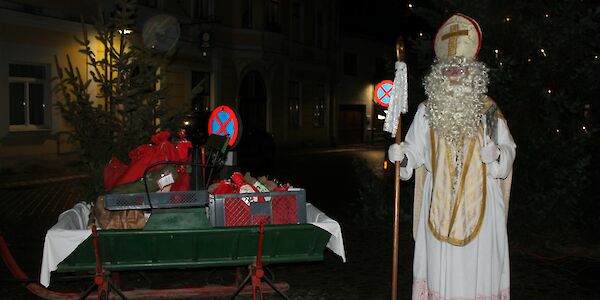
[28, 210]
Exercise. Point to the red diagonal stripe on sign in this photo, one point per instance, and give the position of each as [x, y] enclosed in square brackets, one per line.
[386, 93]
[223, 128]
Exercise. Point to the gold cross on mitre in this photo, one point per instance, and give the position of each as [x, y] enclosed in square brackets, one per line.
[458, 36]
[452, 36]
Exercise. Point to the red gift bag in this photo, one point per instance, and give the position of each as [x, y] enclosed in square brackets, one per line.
[112, 172]
[161, 149]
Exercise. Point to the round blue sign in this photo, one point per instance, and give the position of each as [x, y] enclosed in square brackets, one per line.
[224, 121]
[383, 92]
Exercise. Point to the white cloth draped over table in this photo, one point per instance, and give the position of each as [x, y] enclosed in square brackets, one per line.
[479, 269]
[63, 238]
[71, 230]
[318, 218]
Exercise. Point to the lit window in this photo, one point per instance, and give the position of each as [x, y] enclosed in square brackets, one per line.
[200, 91]
[29, 99]
[294, 105]
[319, 107]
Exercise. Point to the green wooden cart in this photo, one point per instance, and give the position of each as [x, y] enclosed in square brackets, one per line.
[183, 238]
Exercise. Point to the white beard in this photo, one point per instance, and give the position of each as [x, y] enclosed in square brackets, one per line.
[454, 110]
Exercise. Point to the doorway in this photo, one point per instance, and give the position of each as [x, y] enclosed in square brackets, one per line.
[256, 150]
[351, 124]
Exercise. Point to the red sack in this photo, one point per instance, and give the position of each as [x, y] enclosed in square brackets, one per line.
[224, 187]
[282, 187]
[116, 173]
[183, 148]
[112, 172]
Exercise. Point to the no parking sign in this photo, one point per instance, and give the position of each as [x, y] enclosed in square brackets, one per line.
[225, 121]
[382, 93]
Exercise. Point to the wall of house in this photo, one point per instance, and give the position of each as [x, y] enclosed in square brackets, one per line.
[282, 52]
[357, 89]
[35, 40]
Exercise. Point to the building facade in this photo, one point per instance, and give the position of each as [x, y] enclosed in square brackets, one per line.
[364, 64]
[280, 63]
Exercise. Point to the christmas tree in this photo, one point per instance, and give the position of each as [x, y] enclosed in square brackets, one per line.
[129, 107]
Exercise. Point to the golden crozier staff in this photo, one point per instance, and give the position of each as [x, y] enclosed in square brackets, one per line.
[393, 120]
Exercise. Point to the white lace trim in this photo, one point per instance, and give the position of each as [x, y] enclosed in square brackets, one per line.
[420, 291]
[399, 99]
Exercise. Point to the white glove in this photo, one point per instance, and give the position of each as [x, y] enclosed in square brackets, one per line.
[396, 152]
[489, 153]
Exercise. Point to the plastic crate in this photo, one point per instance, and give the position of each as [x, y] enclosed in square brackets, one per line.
[157, 200]
[278, 208]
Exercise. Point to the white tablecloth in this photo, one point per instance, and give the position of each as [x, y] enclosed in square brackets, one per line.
[63, 238]
[320, 219]
[71, 230]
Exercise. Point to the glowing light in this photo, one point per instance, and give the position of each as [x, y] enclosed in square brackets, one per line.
[125, 31]
[186, 123]
[584, 128]
[595, 56]
[529, 60]
[547, 15]
[543, 51]
[420, 34]
[557, 130]
[549, 91]
[385, 165]
[410, 5]
[497, 51]
[507, 19]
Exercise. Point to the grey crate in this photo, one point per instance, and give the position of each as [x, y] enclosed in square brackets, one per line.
[159, 200]
[280, 208]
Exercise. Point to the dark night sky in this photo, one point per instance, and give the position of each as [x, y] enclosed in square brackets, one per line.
[382, 20]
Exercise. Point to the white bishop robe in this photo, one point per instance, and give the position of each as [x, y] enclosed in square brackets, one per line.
[461, 244]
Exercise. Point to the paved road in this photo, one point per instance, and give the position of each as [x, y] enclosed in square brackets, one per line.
[332, 179]
[26, 212]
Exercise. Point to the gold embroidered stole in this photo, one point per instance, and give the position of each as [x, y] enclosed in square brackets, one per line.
[456, 211]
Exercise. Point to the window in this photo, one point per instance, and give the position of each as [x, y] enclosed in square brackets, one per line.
[319, 107]
[320, 30]
[202, 9]
[273, 21]
[29, 98]
[200, 93]
[294, 105]
[296, 20]
[247, 14]
[350, 62]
